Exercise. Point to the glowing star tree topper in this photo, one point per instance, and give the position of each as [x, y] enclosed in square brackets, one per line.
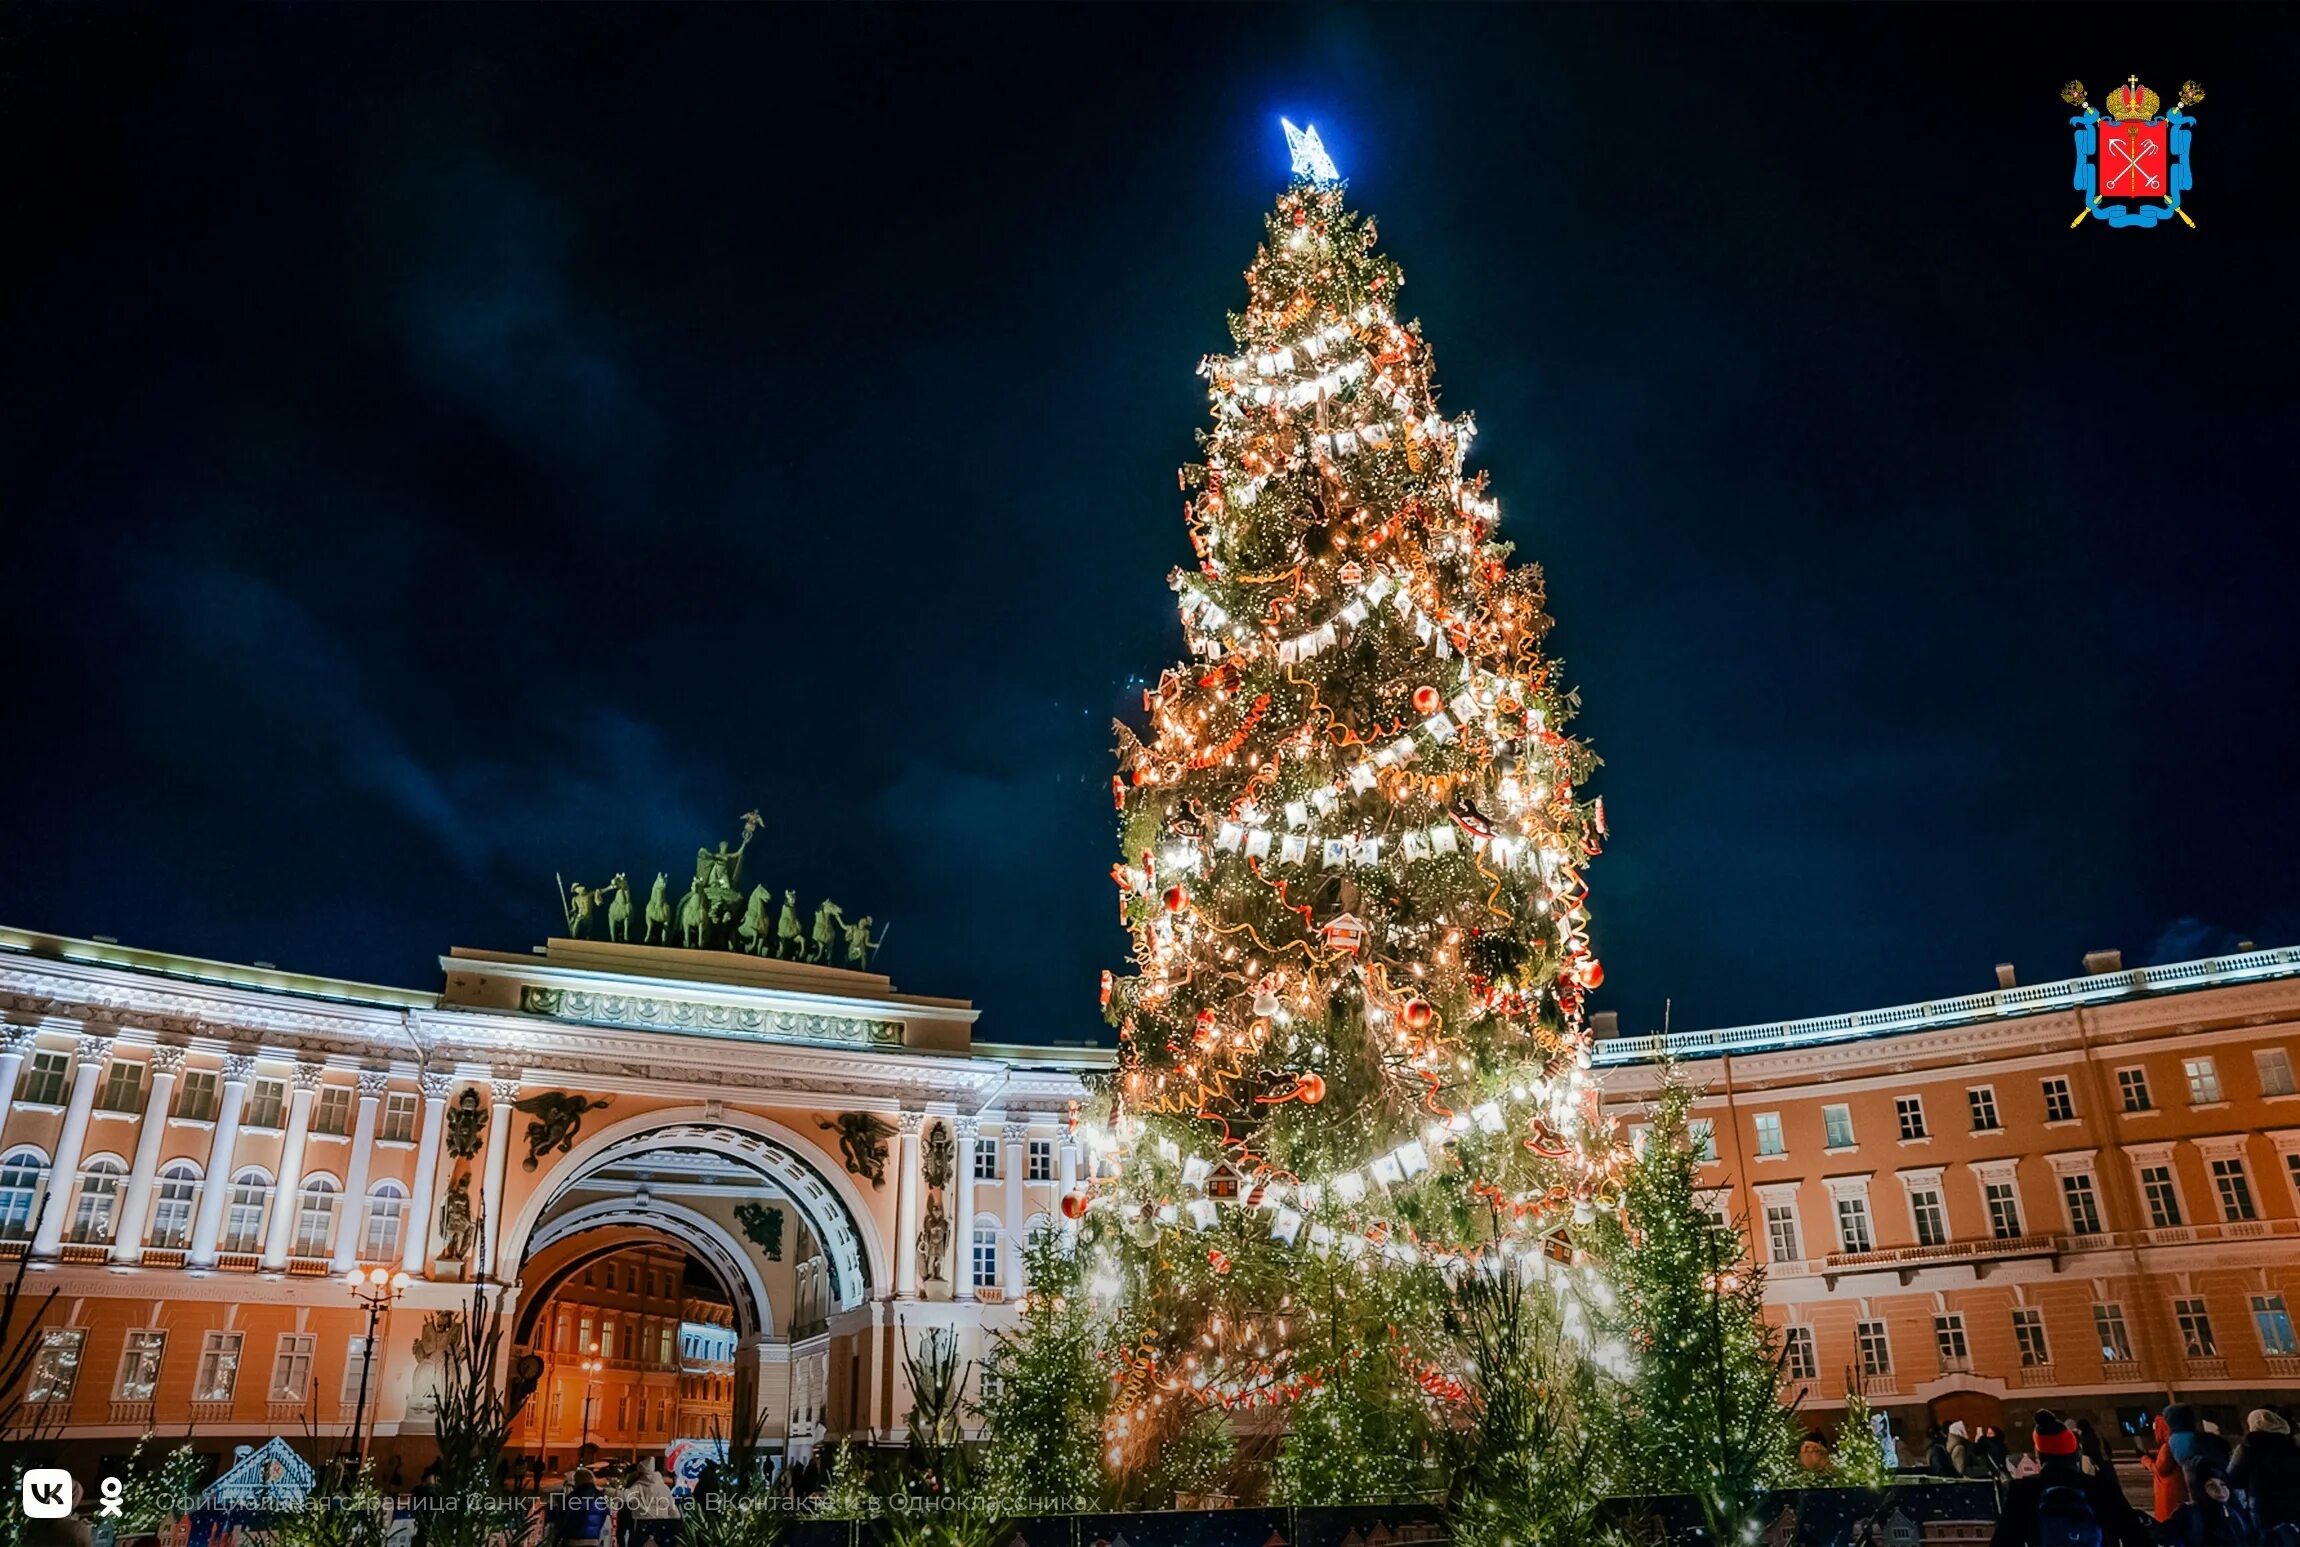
[1309, 153]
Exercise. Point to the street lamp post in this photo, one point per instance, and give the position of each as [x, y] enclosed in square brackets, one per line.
[591, 1365]
[377, 1290]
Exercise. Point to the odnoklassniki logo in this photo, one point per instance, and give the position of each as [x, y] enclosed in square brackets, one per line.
[2132, 165]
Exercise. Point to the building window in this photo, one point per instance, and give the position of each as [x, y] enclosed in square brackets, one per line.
[398, 1125]
[331, 1113]
[1876, 1352]
[1911, 1112]
[45, 1077]
[2156, 1185]
[2132, 1085]
[2028, 1336]
[1701, 1136]
[267, 1099]
[20, 1177]
[1853, 1233]
[354, 1367]
[2203, 1081]
[985, 1256]
[2274, 1324]
[2115, 1341]
[123, 1087]
[172, 1203]
[196, 1097]
[1983, 1100]
[1949, 1338]
[1798, 1358]
[2234, 1188]
[1769, 1140]
[1837, 1127]
[2275, 1066]
[1781, 1232]
[244, 1216]
[2003, 1199]
[2076, 1190]
[1931, 1219]
[98, 1201]
[56, 1368]
[291, 1366]
[1041, 1161]
[2059, 1102]
[985, 1160]
[219, 1369]
[315, 1218]
[140, 1366]
[2195, 1329]
[386, 1208]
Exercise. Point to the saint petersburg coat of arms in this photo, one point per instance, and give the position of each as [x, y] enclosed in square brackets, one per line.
[2132, 165]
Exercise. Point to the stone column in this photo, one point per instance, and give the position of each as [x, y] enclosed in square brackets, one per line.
[64, 1169]
[417, 1247]
[136, 1202]
[1065, 1182]
[216, 1189]
[506, 1091]
[351, 1217]
[962, 1232]
[287, 1190]
[1017, 1162]
[906, 1191]
[15, 1046]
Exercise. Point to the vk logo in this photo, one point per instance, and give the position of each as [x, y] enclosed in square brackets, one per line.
[47, 1493]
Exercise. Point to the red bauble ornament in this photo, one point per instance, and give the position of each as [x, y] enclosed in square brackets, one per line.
[1312, 1089]
[1175, 897]
[1219, 1258]
[1417, 1014]
[1074, 1205]
[1426, 699]
[1592, 973]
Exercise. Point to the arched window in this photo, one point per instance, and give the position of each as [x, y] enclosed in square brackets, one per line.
[985, 1252]
[99, 1199]
[21, 1173]
[315, 1216]
[386, 1210]
[172, 1203]
[244, 1217]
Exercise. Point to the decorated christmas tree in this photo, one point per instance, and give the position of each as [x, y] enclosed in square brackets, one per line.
[1352, 1056]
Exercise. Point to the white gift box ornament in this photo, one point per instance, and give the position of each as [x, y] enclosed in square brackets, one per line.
[1337, 852]
[1440, 728]
[1349, 1187]
[1296, 848]
[1415, 845]
[1362, 777]
[1311, 1195]
[1387, 1171]
[1443, 838]
[1195, 1170]
[1169, 1151]
[1167, 1214]
[1202, 1213]
[1228, 837]
[1297, 813]
[1488, 1117]
[1369, 851]
[1258, 843]
[1464, 706]
[1285, 1226]
[1322, 1239]
[1413, 1160]
[1325, 798]
[1355, 613]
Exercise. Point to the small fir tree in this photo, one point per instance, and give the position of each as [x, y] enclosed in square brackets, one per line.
[1704, 1412]
[1045, 1391]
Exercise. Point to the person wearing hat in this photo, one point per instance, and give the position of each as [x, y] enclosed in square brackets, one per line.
[2060, 1504]
[2173, 1434]
[2266, 1470]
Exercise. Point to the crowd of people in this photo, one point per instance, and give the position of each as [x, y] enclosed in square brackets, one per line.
[634, 1508]
[2204, 1491]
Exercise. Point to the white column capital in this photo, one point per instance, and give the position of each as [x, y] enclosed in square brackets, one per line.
[436, 1085]
[505, 1088]
[93, 1049]
[167, 1058]
[373, 1083]
[909, 1122]
[18, 1039]
[966, 1127]
[310, 1076]
[239, 1068]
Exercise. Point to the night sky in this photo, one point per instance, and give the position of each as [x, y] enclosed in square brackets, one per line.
[443, 447]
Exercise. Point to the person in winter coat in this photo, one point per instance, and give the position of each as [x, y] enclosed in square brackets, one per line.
[654, 1512]
[2211, 1517]
[1994, 1453]
[2063, 1505]
[2266, 1470]
[1958, 1447]
[2163, 1464]
[2090, 1447]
